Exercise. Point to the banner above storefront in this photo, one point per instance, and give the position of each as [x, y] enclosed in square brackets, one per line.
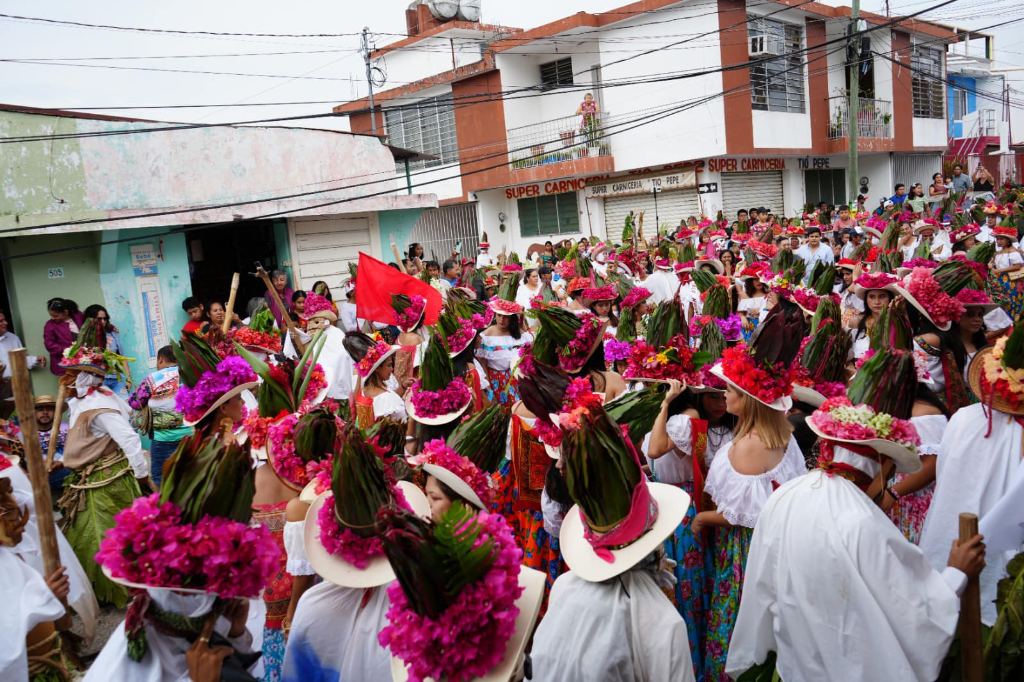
[627, 186]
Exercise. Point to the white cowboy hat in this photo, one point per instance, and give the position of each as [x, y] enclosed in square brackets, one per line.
[237, 390]
[337, 570]
[380, 360]
[434, 421]
[141, 586]
[584, 562]
[713, 262]
[907, 460]
[455, 482]
[807, 394]
[783, 404]
[308, 494]
[532, 582]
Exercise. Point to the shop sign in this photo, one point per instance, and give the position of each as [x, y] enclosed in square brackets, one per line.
[814, 162]
[707, 188]
[538, 189]
[143, 260]
[628, 186]
[746, 165]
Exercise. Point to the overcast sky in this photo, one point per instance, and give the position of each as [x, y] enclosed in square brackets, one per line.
[325, 69]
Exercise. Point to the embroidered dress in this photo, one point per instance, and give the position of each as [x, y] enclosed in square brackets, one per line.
[406, 362]
[499, 354]
[277, 593]
[910, 510]
[529, 466]
[386, 404]
[690, 438]
[1008, 293]
[739, 498]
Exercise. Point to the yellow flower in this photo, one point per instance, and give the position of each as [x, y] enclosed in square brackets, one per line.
[662, 358]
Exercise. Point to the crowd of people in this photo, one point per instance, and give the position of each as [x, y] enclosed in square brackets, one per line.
[738, 447]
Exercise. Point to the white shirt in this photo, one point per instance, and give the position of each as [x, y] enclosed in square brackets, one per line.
[27, 603]
[9, 342]
[663, 285]
[116, 424]
[835, 589]
[822, 254]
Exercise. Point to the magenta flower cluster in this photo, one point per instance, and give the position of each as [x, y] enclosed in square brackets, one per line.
[635, 296]
[232, 371]
[151, 545]
[438, 453]
[346, 543]
[615, 350]
[469, 639]
[431, 404]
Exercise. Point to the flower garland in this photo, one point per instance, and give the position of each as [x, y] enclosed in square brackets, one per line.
[578, 350]
[431, 404]
[767, 384]
[941, 307]
[438, 453]
[149, 544]
[973, 297]
[615, 350]
[345, 543]
[732, 326]
[194, 401]
[469, 639]
[251, 338]
[839, 418]
[411, 316]
[287, 465]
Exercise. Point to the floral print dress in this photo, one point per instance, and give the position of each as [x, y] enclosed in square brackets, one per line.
[910, 510]
[499, 355]
[739, 498]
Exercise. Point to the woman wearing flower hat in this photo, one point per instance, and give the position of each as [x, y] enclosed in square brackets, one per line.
[824, 553]
[601, 301]
[409, 313]
[499, 350]
[871, 289]
[1007, 261]
[103, 451]
[320, 316]
[377, 393]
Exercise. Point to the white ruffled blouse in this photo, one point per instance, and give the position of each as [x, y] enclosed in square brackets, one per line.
[295, 549]
[930, 428]
[676, 466]
[501, 352]
[741, 497]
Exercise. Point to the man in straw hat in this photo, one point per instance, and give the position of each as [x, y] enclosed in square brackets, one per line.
[980, 455]
[607, 618]
[831, 584]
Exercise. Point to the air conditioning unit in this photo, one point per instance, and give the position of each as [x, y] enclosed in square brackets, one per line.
[767, 45]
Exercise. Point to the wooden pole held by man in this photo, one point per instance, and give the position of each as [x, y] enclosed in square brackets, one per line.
[229, 313]
[973, 664]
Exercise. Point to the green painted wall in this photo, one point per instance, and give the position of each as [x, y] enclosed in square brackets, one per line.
[396, 226]
[29, 286]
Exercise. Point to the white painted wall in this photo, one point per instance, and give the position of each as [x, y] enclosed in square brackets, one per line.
[522, 70]
[492, 202]
[930, 132]
[780, 129]
[429, 57]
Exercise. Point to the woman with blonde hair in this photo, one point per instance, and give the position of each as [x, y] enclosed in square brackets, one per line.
[762, 456]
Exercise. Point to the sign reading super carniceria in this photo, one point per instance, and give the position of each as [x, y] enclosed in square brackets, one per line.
[627, 186]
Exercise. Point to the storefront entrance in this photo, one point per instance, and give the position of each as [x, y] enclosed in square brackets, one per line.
[216, 253]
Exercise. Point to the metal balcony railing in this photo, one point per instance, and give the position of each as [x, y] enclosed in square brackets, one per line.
[874, 118]
[561, 139]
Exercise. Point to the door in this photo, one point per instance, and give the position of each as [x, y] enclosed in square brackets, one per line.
[828, 185]
[752, 190]
[322, 248]
[440, 229]
[669, 209]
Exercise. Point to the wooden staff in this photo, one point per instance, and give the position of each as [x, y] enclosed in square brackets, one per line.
[265, 278]
[230, 311]
[38, 473]
[972, 663]
[58, 414]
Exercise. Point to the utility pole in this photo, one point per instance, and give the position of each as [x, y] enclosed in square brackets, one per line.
[369, 77]
[853, 105]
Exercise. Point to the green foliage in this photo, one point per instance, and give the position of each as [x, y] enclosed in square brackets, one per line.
[194, 357]
[599, 471]
[359, 483]
[316, 435]
[982, 252]
[703, 279]
[262, 321]
[436, 371]
[482, 437]
[205, 476]
[1013, 355]
[664, 323]
[825, 354]
[886, 382]
[637, 410]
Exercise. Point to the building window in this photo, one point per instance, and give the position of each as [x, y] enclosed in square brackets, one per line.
[959, 103]
[550, 214]
[776, 84]
[556, 74]
[427, 127]
[926, 82]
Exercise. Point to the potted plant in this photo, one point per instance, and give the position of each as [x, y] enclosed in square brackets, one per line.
[568, 137]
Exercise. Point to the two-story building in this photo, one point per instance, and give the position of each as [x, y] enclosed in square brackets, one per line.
[697, 107]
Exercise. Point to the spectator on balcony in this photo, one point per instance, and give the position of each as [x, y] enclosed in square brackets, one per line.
[938, 187]
[900, 196]
[983, 180]
[961, 183]
[588, 111]
[917, 201]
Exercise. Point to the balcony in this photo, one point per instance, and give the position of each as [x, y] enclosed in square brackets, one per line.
[562, 147]
[874, 125]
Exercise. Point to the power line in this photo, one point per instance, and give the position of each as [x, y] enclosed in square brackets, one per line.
[180, 56]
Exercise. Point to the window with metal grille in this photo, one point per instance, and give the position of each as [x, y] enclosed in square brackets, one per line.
[959, 104]
[777, 84]
[557, 73]
[926, 82]
[550, 214]
[428, 126]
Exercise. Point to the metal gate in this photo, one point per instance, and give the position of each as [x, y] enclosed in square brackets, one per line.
[752, 190]
[440, 229]
[672, 207]
[911, 168]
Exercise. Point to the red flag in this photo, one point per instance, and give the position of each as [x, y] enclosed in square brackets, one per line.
[377, 281]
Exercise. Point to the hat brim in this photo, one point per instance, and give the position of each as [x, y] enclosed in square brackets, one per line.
[897, 289]
[142, 586]
[453, 481]
[324, 314]
[584, 562]
[996, 401]
[338, 571]
[237, 390]
[806, 394]
[91, 369]
[435, 421]
[783, 404]
[375, 366]
[713, 262]
[861, 293]
[308, 494]
[907, 461]
[532, 582]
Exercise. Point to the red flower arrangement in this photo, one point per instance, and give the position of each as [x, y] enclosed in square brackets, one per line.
[875, 281]
[635, 296]
[411, 316]
[973, 297]
[763, 250]
[512, 267]
[941, 307]
[675, 361]
[576, 353]
[251, 338]
[605, 293]
[431, 404]
[503, 307]
[375, 353]
[766, 384]
[578, 284]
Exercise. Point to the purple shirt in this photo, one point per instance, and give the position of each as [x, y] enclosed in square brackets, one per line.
[58, 336]
[286, 299]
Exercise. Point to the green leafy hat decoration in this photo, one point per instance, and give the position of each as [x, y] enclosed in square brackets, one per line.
[194, 357]
[664, 323]
[284, 386]
[482, 437]
[556, 328]
[887, 382]
[360, 482]
[823, 278]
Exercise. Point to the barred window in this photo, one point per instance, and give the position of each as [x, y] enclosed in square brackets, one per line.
[428, 126]
[926, 82]
[549, 214]
[776, 84]
[557, 73]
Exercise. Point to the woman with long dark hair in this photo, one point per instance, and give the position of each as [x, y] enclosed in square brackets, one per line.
[499, 351]
[61, 330]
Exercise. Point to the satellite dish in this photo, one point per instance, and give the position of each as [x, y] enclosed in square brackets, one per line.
[445, 10]
[469, 10]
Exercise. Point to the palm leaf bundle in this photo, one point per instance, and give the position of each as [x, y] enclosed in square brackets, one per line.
[886, 382]
[205, 476]
[360, 483]
[482, 437]
[637, 410]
